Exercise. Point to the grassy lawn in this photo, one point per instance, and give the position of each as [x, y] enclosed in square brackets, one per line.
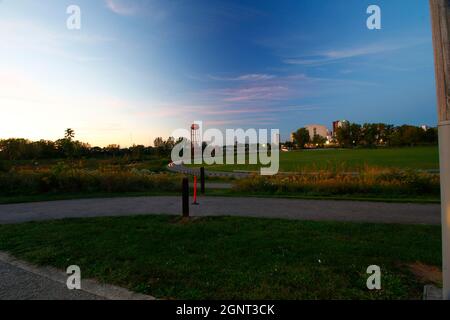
[234, 258]
[424, 158]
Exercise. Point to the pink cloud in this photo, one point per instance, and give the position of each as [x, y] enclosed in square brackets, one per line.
[245, 77]
[123, 8]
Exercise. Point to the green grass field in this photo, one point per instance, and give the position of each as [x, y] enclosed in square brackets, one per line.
[423, 158]
[235, 258]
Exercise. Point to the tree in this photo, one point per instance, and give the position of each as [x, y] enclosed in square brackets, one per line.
[113, 149]
[69, 134]
[369, 134]
[15, 149]
[164, 147]
[349, 135]
[355, 134]
[137, 151]
[384, 133]
[159, 142]
[170, 143]
[431, 136]
[301, 137]
[65, 147]
[319, 141]
[343, 135]
[411, 135]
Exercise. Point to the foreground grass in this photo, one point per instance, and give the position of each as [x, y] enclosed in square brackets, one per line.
[232, 258]
[421, 158]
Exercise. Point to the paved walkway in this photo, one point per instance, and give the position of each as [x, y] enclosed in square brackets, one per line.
[240, 174]
[215, 185]
[18, 284]
[196, 172]
[319, 210]
[20, 280]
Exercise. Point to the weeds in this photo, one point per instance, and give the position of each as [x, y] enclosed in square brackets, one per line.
[369, 181]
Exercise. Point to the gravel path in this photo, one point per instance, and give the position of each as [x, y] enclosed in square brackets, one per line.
[319, 210]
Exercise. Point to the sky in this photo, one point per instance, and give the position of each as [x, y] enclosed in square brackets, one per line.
[139, 69]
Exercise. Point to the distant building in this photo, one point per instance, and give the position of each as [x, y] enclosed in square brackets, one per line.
[425, 127]
[317, 129]
[277, 138]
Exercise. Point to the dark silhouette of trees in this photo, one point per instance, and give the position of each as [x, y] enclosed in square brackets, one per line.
[370, 135]
[319, 141]
[380, 134]
[301, 138]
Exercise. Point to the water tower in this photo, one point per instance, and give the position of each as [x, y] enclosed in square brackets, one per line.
[196, 140]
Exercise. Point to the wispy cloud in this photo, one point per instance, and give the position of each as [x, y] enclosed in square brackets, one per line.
[254, 93]
[304, 79]
[244, 77]
[273, 89]
[337, 55]
[221, 114]
[149, 8]
[223, 111]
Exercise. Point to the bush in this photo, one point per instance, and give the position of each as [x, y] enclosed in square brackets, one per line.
[398, 183]
[63, 180]
[4, 166]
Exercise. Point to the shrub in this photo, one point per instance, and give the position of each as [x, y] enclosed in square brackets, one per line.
[409, 183]
[63, 180]
[4, 166]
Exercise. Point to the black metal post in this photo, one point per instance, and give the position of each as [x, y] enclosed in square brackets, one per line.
[202, 180]
[185, 197]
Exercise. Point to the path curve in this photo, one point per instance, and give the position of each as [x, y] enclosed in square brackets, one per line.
[240, 174]
[196, 172]
[319, 210]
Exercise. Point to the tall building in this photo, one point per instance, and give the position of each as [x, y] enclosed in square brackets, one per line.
[317, 129]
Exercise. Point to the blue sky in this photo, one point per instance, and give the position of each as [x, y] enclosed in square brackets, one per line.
[139, 69]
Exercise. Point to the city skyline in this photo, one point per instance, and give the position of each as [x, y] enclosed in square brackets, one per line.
[140, 69]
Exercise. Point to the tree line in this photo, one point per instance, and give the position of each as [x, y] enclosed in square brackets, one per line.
[69, 148]
[351, 135]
